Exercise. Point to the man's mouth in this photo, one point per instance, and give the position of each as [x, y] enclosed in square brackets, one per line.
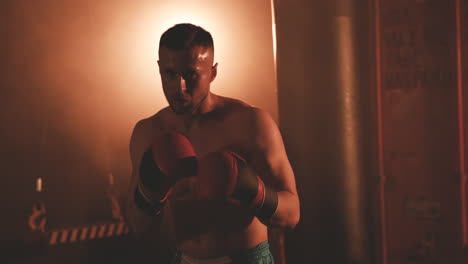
[181, 100]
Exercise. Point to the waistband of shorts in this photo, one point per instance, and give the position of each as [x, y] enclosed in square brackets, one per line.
[252, 252]
[244, 254]
[190, 260]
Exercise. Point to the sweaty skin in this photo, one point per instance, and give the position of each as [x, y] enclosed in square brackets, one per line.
[211, 122]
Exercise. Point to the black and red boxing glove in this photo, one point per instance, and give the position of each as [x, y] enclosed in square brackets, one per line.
[170, 158]
[225, 174]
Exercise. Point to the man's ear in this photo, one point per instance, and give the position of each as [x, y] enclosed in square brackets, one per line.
[159, 67]
[214, 72]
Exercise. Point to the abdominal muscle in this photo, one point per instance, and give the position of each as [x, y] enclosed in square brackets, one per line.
[227, 229]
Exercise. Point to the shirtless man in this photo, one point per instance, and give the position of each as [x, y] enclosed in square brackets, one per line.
[217, 231]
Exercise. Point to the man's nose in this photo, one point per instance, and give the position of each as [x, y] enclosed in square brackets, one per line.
[182, 87]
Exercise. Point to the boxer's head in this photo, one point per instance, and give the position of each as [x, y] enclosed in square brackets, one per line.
[186, 56]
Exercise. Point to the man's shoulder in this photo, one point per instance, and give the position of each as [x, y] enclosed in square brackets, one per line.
[152, 122]
[252, 128]
[249, 121]
[233, 102]
[248, 113]
[240, 109]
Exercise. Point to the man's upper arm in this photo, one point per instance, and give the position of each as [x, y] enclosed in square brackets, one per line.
[139, 222]
[268, 154]
[135, 142]
[133, 151]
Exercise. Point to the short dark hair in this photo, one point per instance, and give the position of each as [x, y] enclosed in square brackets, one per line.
[185, 36]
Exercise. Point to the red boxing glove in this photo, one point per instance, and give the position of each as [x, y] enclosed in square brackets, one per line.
[226, 175]
[170, 158]
[216, 176]
[174, 155]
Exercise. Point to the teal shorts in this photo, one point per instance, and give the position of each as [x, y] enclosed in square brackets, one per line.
[260, 254]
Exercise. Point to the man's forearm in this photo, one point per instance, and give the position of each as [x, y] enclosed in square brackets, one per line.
[287, 213]
[140, 224]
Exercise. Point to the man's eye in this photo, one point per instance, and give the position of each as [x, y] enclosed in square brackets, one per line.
[171, 75]
[191, 76]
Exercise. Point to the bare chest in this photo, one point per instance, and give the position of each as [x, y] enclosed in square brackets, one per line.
[209, 136]
[206, 139]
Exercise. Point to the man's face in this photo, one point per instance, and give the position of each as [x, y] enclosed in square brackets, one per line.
[186, 76]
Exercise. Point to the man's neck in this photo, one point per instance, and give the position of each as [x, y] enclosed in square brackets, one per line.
[207, 106]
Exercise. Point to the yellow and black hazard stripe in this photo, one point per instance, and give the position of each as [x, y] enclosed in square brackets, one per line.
[86, 233]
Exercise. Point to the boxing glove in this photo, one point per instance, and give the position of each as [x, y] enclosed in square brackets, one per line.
[169, 158]
[226, 175]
